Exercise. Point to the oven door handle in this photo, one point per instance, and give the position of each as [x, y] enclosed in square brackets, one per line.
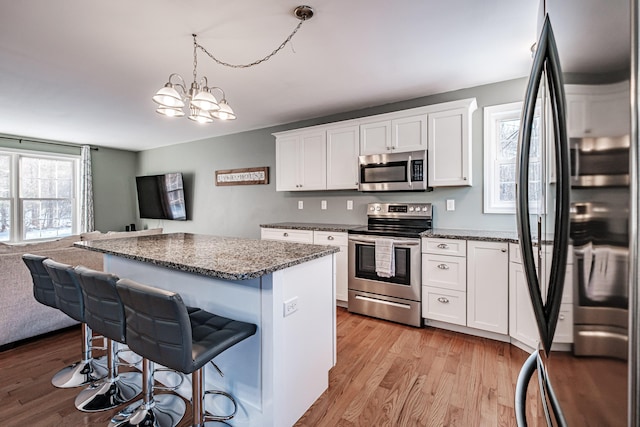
[395, 242]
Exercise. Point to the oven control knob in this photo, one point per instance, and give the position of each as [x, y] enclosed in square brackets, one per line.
[377, 208]
[411, 209]
[424, 209]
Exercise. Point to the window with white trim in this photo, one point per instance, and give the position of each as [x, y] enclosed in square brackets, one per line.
[501, 131]
[38, 195]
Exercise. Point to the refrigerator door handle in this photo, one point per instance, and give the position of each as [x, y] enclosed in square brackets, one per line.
[546, 61]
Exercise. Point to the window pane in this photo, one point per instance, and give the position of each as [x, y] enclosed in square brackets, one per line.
[508, 138]
[47, 218]
[508, 172]
[5, 173]
[5, 220]
[508, 192]
[46, 178]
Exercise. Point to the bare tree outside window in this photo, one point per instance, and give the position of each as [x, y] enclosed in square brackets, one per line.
[46, 195]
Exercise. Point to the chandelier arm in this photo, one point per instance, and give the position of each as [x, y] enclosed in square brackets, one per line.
[259, 61]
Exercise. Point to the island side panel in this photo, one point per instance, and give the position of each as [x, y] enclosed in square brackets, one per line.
[304, 340]
[243, 363]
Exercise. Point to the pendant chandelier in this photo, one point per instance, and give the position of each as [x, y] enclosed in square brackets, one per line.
[199, 101]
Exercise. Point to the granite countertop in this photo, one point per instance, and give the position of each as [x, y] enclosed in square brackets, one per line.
[222, 257]
[482, 235]
[338, 228]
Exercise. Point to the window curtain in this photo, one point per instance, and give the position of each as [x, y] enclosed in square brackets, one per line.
[86, 191]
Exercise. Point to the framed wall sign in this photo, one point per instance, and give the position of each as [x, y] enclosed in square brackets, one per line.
[245, 176]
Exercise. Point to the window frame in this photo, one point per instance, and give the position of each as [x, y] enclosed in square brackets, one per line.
[16, 228]
[491, 203]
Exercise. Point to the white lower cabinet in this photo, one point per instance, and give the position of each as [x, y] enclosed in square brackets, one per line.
[342, 258]
[488, 286]
[287, 235]
[329, 238]
[522, 322]
[444, 280]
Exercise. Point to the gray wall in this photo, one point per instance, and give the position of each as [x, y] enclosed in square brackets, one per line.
[238, 210]
[113, 172]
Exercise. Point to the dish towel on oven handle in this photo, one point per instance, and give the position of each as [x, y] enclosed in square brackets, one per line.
[385, 258]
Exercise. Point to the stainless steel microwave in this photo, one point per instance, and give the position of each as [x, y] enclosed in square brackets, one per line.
[599, 162]
[394, 172]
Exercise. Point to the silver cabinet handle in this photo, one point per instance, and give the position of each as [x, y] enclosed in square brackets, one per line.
[562, 317]
[443, 246]
[285, 234]
[443, 300]
[329, 237]
[443, 266]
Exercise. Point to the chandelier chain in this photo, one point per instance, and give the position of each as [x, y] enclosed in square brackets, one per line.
[259, 61]
[195, 57]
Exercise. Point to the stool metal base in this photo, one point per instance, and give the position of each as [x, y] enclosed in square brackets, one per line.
[79, 374]
[109, 393]
[165, 410]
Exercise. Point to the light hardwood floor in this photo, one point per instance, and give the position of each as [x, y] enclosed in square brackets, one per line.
[387, 375]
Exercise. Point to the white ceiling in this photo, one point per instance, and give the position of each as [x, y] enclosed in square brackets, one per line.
[84, 71]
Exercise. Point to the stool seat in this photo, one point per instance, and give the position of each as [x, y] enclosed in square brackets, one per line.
[104, 314]
[162, 328]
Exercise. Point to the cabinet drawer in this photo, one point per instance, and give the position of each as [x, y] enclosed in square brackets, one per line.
[444, 246]
[516, 256]
[444, 305]
[564, 330]
[446, 272]
[331, 238]
[299, 236]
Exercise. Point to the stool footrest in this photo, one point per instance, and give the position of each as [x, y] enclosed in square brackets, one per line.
[208, 416]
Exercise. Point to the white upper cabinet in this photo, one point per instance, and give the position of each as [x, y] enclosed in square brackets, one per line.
[598, 110]
[375, 138]
[325, 157]
[449, 144]
[343, 148]
[301, 162]
[394, 136]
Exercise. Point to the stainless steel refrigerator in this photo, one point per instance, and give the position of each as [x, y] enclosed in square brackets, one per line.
[584, 87]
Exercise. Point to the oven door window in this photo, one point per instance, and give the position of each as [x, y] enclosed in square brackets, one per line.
[366, 265]
[388, 172]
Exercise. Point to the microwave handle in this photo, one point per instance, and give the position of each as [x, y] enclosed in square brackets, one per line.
[409, 172]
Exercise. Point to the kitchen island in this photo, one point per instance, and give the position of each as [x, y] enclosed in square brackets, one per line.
[286, 289]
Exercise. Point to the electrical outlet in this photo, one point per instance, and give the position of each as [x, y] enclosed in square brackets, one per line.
[451, 205]
[349, 205]
[290, 306]
[300, 204]
[323, 205]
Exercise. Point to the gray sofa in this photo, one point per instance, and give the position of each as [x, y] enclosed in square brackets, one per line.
[21, 316]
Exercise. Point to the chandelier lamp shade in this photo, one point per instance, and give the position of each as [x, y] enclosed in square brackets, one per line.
[198, 102]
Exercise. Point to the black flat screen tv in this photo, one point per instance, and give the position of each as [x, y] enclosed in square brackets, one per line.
[161, 197]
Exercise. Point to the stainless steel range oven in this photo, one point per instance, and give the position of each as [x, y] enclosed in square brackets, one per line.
[374, 291]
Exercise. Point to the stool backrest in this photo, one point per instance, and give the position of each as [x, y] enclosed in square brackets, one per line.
[43, 290]
[158, 325]
[103, 309]
[68, 292]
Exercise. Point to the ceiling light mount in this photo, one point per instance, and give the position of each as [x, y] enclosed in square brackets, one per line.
[198, 100]
[303, 12]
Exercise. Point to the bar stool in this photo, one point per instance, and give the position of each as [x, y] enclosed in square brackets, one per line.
[70, 301]
[161, 328]
[104, 314]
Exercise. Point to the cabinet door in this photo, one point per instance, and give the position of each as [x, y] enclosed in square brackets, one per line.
[340, 240]
[313, 161]
[449, 143]
[488, 286]
[409, 133]
[287, 178]
[343, 148]
[522, 321]
[375, 138]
